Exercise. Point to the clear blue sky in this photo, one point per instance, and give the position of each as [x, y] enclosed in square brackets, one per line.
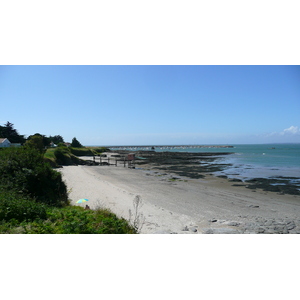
[144, 105]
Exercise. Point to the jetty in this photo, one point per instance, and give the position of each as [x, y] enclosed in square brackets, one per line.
[165, 147]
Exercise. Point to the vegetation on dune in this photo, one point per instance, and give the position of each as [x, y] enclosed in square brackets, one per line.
[63, 155]
[67, 220]
[18, 207]
[33, 196]
[24, 170]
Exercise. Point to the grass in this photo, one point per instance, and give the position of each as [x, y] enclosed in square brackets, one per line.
[50, 157]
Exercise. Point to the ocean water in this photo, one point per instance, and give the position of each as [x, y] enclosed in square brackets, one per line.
[263, 160]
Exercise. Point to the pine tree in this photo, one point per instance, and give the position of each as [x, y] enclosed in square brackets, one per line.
[75, 143]
[8, 131]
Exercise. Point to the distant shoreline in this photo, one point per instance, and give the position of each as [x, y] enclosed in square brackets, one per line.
[166, 147]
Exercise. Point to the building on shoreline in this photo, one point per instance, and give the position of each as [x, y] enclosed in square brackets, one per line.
[4, 143]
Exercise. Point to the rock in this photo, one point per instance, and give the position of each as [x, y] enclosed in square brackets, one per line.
[291, 225]
[259, 230]
[285, 230]
[254, 206]
[235, 179]
[208, 231]
[185, 229]
[213, 220]
[233, 223]
[279, 229]
[268, 222]
[193, 229]
[221, 231]
[163, 232]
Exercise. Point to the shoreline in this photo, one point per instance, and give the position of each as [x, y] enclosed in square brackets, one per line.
[177, 204]
[199, 165]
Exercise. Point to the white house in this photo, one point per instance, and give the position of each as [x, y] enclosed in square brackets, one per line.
[4, 142]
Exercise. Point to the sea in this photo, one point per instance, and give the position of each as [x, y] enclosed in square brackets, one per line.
[247, 161]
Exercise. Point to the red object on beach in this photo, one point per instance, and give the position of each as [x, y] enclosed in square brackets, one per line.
[131, 156]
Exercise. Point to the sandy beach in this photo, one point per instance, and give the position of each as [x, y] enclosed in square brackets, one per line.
[183, 205]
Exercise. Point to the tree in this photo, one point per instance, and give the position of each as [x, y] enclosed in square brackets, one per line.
[36, 141]
[8, 131]
[56, 139]
[75, 143]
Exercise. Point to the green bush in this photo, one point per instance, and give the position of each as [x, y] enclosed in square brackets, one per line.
[20, 208]
[25, 170]
[76, 220]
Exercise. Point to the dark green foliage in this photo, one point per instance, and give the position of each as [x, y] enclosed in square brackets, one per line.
[75, 143]
[8, 131]
[56, 139]
[18, 215]
[38, 141]
[74, 220]
[14, 206]
[24, 169]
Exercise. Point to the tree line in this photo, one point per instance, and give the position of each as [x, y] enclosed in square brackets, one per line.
[37, 140]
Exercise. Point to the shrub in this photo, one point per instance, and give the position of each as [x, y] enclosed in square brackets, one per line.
[25, 170]
[76, 220]
[20, 208]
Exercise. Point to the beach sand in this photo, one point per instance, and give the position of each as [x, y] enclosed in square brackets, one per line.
[183, 205]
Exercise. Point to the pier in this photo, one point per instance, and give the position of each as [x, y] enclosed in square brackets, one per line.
[165, 147]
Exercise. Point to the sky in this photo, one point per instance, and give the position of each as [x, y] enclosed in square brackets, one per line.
[154, 104]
